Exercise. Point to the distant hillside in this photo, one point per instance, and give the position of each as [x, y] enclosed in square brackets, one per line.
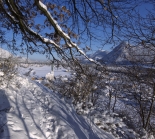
[7, 54]
[141, 54]
[4, 53]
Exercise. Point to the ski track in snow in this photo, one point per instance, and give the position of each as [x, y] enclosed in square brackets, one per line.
[38, 113]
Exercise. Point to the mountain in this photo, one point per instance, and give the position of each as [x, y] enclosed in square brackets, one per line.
[119, 54]
[125, 53]
[98, 55]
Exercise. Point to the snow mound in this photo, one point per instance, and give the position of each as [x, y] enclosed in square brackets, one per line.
[1, 73]
[4, 53]
[50, 76]
[35, 112]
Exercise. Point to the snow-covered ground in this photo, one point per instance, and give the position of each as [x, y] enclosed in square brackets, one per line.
[31, 111]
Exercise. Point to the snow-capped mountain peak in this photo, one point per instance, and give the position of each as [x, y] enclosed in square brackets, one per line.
[99, 54]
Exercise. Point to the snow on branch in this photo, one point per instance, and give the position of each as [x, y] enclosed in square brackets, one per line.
[55, 24]
[16, 18]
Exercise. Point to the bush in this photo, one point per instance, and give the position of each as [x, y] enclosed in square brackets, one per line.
[8, 67]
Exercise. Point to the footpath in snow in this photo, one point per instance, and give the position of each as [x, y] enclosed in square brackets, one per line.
[34, 112]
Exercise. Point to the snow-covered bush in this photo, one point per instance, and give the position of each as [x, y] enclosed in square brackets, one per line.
[126, 94]
[1, 73]
[131, 95]
[114, 124]
[8, 69]
[83, 87]
[50, 76]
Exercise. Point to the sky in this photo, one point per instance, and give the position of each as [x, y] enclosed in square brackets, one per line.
[95, 45]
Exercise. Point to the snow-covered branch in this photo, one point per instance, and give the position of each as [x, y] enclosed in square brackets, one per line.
[56, 26]
[16, 16]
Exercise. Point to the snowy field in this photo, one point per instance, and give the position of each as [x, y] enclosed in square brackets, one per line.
[42, 70]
